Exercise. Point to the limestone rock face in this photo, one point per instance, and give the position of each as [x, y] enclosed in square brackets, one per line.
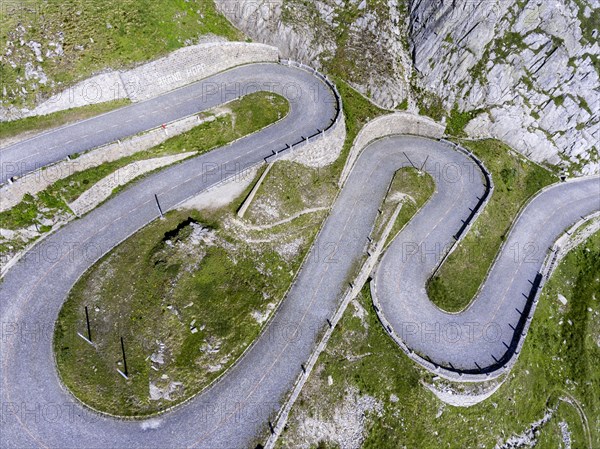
[530, 66]
[364, 40]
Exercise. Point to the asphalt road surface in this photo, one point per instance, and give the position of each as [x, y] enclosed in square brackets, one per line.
[234, 413]
[480, 339]
[52, 146]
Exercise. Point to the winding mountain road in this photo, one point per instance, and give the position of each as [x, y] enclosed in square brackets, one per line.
[234, 412]
[314, 105]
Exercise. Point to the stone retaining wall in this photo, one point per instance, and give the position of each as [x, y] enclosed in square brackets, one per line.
[324, 146]
[100, 191]
[321, 150]
[34, 182]
[386, 125]
[97, 89]
[191, 64]
[181, 67]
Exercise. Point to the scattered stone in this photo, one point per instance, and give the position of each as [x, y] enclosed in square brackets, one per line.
[344, 428]
[566, 434]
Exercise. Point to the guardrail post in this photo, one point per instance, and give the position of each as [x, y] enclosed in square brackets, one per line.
[158, 205]
[87, 319]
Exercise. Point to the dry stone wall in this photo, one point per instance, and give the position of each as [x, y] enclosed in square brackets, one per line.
[386, 125]
[183, 66]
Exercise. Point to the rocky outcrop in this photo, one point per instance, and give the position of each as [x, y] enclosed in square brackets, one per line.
[362, 41]
[529, 67]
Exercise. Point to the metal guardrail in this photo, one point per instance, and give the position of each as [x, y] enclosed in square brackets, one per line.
[477, 210]
[320, 133]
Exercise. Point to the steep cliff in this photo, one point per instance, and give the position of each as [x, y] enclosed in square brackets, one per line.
[531, 66]
[527, 70]
[362, 41]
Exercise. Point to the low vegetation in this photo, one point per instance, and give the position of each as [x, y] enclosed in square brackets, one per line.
[187, 295]
[357, 112]
[65, 42]
[290, 188]
[29, 126]
[40, 212]
[516, 179]
[409, 187]
[457, 121]
[364, 389]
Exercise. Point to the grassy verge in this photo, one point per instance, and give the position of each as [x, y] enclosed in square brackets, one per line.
[357, 112]
[413, 189]
[38, 214]
[188, 294]
[78, 38]
[32, 125]
[419, 187]
[457, 121]
[365, 388]
[516, 180]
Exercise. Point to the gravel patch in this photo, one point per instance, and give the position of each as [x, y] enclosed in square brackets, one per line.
[346, 427]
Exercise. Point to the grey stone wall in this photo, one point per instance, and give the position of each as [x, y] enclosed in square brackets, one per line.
[183, 66]
[191, 64]
[386, 125]
[321, 150]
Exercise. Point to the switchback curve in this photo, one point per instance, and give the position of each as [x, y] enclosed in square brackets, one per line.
[37, 412]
